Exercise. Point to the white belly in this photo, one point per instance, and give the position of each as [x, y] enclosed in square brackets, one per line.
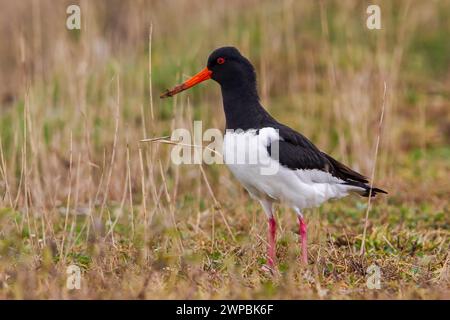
[298, 188]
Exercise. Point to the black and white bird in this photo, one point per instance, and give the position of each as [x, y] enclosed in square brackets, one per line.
[303, 176]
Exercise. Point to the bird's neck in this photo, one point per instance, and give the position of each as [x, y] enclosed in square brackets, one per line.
[242, 107]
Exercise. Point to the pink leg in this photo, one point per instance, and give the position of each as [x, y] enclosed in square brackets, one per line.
[272, 232]
[303, 240]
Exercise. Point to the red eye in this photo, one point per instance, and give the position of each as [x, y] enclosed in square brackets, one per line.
[220, 60]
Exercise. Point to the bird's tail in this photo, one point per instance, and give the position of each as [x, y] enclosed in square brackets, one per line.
[364, 189]
[374, 192]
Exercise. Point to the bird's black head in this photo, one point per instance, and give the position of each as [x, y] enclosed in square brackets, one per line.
[229, 68]
[226, 66]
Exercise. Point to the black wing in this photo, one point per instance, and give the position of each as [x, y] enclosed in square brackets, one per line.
[297, 152]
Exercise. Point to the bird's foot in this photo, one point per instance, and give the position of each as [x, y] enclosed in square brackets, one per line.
[303, 241]
[270, 270]
[304, 259]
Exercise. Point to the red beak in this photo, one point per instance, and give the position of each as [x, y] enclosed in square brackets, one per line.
[203, 75]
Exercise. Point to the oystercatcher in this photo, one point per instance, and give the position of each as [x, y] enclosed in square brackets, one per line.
[305, 177]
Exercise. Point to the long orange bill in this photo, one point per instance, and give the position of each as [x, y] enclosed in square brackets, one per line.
[203, 75]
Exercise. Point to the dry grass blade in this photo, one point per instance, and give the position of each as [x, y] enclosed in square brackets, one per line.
[372, 176]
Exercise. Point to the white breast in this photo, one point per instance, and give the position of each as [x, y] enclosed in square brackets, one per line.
[245, 153]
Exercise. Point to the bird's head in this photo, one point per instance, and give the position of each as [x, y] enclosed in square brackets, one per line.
[226, 66]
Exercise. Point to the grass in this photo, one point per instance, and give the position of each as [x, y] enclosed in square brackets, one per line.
[77, 186]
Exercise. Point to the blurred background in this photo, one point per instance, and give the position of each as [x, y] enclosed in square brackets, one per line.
[76, 183]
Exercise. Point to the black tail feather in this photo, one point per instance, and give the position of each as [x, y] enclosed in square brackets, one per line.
[366, 188]
[352, 177]
[343, 172]
[373, 193]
